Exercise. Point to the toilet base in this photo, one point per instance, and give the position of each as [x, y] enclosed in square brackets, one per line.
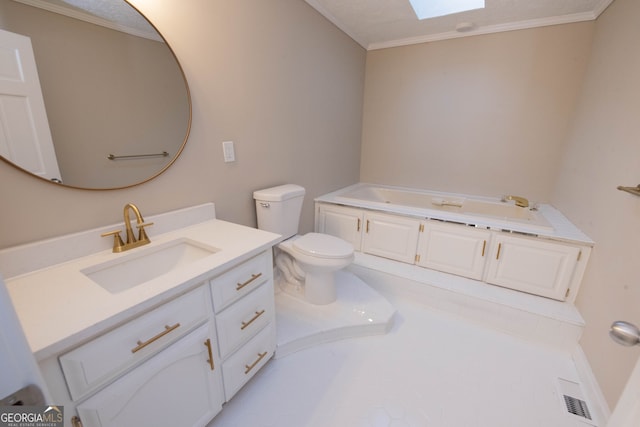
[289, 288]
[320, 288]
[316, 289]
[308, 282]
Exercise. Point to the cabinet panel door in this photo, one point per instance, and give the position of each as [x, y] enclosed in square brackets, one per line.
[391, 236]
[453, 248]
[238, 323]
[241, 280]
[533, 266]
[341, 222]
[98, 362]
[176, 387]
[241, 366]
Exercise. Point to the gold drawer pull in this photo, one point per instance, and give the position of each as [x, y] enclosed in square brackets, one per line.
[245, 324]
[167, 329]
[498, 253]
[207, 344]
[250, 367]
[484, 246]
[75, 421]
[242, 285]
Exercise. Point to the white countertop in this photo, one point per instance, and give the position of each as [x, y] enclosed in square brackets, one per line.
[59, 307]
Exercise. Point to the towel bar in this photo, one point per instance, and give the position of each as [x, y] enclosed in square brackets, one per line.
[137, 156]
[632, 190]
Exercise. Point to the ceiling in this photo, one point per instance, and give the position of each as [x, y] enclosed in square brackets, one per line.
[378, 24]
[115, 14]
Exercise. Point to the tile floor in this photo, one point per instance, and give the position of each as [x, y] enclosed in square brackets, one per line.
[430, 370]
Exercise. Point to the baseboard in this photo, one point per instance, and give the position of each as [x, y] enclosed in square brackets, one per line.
[597, 402]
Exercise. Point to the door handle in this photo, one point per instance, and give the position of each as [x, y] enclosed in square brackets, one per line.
[243, 284]
[207, 344]
[155, 338]
[625, 333]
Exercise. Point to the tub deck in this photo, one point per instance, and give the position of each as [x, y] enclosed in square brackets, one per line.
[486, 212]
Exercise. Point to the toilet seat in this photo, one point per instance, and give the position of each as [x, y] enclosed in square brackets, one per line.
[323, 246]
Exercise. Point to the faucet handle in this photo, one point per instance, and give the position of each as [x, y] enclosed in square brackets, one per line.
[142, 235]
[118, 244]
[519, 201]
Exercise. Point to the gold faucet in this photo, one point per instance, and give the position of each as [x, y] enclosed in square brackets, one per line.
[520, 201]
[132, 241]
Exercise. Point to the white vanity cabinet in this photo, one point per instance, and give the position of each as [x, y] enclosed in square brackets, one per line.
[453, 248]
[180, 386]
[176, 364]
[390, 236]
[540, 267]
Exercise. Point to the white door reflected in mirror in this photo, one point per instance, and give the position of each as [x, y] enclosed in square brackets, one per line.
[25, 137]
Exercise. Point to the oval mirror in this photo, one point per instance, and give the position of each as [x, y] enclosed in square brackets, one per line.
[115, 105]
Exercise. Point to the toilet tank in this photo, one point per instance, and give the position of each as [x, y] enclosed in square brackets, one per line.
[278, 208]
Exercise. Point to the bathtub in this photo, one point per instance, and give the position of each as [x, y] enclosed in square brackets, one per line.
[472, 210]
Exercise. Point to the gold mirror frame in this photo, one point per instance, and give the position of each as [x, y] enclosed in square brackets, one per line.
[170, 162]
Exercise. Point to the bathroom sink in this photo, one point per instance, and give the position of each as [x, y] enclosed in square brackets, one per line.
[144, 264]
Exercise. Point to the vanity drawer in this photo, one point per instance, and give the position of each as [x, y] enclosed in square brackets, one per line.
[97, 362]
[243, 319]
[241, 280]
[243, 364]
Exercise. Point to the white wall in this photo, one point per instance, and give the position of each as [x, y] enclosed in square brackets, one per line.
[483, 115]
[603, 152]
[275, 77]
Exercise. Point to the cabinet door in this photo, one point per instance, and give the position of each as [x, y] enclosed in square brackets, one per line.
[100, 361]
[242, 365]
[238, 323]
[176, 387]
[345, 223]
[391, 236]
[534, 266]
[453, 248]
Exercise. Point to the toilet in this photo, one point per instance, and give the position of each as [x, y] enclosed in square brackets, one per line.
[307, 263]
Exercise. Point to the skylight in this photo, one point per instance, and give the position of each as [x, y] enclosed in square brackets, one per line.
[431, 8]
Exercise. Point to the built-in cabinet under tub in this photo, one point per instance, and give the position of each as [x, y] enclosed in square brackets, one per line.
[548, 262]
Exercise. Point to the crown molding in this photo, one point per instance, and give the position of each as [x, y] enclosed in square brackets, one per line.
[600, 7]
[489, 29]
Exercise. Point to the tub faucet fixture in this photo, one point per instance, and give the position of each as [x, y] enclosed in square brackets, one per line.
[132, 241]
[520, 201]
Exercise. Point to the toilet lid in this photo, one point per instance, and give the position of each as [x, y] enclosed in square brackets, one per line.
[323, 245]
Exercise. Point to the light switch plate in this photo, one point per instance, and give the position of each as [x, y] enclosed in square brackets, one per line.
[228, 151]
